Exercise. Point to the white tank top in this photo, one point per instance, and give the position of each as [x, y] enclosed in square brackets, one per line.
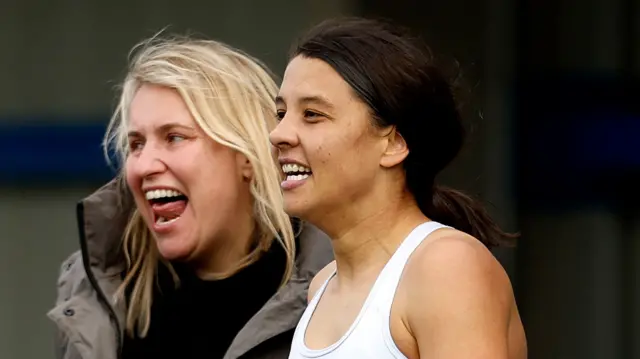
[369, 335]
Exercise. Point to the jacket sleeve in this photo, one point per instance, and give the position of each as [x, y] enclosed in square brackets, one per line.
[60, 345]
[62, 349]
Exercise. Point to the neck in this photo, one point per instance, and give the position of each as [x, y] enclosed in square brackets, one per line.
[225, 260]
[369, 235]
[230, 248]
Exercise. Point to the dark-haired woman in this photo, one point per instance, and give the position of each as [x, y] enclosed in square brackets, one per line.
[366, 123]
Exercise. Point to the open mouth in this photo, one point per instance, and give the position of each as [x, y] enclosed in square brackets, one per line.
[296, 172]
[167, 205]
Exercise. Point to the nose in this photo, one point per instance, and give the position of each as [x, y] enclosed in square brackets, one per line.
[148, 163]
[284, 135]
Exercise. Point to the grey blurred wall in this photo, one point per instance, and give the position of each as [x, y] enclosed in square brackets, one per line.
[579, 271]
[64, 58]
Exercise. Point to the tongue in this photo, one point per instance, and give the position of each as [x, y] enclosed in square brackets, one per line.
[169, 210]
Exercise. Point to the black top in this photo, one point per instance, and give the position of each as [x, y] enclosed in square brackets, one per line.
[201, 318]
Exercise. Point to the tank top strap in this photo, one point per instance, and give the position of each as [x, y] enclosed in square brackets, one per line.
[311, 308]
[316, 297]
[369, 335]
[392, 273]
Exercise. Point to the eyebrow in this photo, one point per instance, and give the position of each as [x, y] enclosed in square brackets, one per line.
[163, 129]
[316, 99]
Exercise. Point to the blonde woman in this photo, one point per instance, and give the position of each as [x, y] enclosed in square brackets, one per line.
[188, 254]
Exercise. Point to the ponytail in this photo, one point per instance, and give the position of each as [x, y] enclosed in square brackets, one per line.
[456, 209]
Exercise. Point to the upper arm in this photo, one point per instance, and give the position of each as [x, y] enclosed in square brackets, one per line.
[460, 300]
[319, 279]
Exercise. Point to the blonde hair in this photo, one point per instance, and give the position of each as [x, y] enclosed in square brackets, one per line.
[231, 97]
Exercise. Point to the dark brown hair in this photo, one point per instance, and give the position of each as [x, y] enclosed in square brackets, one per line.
[395, 75]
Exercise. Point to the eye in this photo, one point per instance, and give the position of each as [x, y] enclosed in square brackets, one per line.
[175, 138]
[280, 114]
[312, 116]
[135, 145]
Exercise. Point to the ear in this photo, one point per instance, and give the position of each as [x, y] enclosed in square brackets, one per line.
[244, 167]
[396, 150]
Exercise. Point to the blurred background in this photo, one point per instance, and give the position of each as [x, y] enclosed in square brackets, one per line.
[552, 96]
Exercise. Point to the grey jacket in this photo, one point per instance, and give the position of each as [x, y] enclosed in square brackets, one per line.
[91, 328]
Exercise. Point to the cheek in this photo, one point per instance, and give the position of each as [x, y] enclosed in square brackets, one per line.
[334, 155]
[348, 159]
[133, 181]
[218, 179]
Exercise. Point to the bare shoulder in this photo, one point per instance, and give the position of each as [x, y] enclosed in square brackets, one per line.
[320, 278]
[457, 292]
[450, 255]
[453, 272]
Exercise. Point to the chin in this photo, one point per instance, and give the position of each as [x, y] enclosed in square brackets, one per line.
[296, 209]
[173, 249]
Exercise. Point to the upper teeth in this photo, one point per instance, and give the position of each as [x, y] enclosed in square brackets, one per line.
[161, 193]
[289, 167]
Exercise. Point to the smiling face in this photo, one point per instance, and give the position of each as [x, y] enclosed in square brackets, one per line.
[188, 188]
[325, 128]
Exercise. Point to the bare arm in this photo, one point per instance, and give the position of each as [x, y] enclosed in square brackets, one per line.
[460, 300]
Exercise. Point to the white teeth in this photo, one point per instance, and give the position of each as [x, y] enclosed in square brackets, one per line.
[161, 193]
[290, 167]
[297, 177]
[163, 221]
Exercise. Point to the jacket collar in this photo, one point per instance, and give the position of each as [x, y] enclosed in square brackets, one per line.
[284, 310]
[104, 219]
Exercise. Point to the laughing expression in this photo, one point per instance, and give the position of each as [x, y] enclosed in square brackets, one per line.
[187, 187]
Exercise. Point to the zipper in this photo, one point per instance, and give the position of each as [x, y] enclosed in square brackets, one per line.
[92, 279]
